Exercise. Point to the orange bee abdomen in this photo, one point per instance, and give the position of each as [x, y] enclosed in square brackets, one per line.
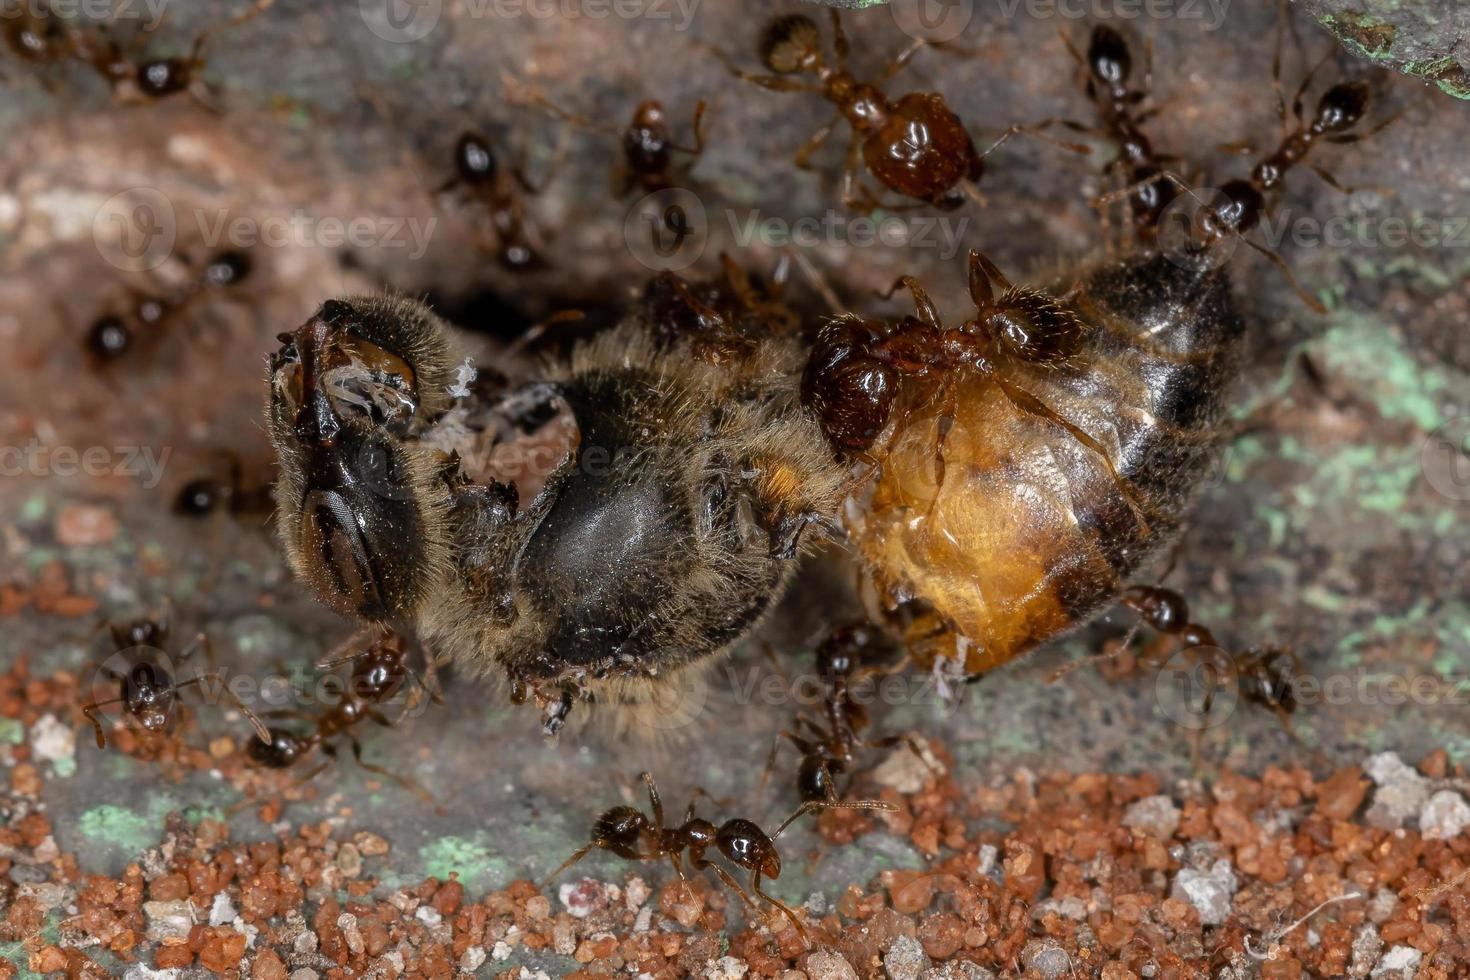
[1031, 530]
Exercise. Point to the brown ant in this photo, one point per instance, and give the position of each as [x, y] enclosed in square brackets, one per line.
[830, 750]
[146, 688]
[378, 674]
[208, 494]
[514, 240]
[649, 158]
[39, 35]
[1257, 673]
[913, 145]
[633, 836]
[852, 378]
[113, 335]
[1109, 63]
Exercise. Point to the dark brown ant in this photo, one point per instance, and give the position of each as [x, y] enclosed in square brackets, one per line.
[633, 836]
[112, 335]
[852, 380]
[649, 160]
[34, 33]
[913, 145]
[1109, 64]
[829, 750]
[146, 688]
[378, 674]
[1257, 673]
[514, 239]
[209, 494]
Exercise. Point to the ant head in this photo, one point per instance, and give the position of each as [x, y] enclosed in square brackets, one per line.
[475, 160]
[1342, 106]
[109, 338]
[1028, 325]
[227, 269]
[746, 845]
[791, 44]
[649, 115]
[1241, 210]
[1108, 58]
[838, 655]
[620, 827]
[148, 632]
[378, 673]
[281, 752]
[851, 392]
[163, 76]
[148, 692]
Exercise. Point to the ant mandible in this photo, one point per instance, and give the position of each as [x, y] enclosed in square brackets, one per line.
[378, 674]
[914, 145]
[146, 689]
[633, 836]
[514, 240]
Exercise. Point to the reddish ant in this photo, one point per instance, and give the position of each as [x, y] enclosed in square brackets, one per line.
[378, 674]
[112, 335]
[831, 749]
[1258, 673]
[39, 35]
[648, 160]
[515, 240]
[146, 689]
[633, 836]
[914, 145]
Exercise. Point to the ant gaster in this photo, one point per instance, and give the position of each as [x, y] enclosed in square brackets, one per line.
[632, 835]
[146, 688]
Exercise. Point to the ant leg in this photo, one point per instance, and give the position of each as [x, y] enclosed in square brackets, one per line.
[403, 781]
[980, 274]
[923, 305]
[654, 801]
[90, 710]
[755, 886]
[577, 855]
[1280, 263]
[705, 864]
[900, 62]
[1036, 129]
[355, 643]
[1356, 137]
[802, 159]
[1031, 405]
[840, 46]
[698, 124]
[261, 731]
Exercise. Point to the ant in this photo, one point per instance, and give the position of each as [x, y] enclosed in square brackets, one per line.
[206, 495]
[649, 151]
[37, 34]
[1338, 110]
[914, 145]
[831, 750]
[1258, 673]
[378, 674]
[146, 689]
[852, 378]
[1108, 63]
[515, 241]
[633, 836]
[112, 335]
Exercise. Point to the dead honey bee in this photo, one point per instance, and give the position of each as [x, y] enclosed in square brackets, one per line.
[669, 519]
